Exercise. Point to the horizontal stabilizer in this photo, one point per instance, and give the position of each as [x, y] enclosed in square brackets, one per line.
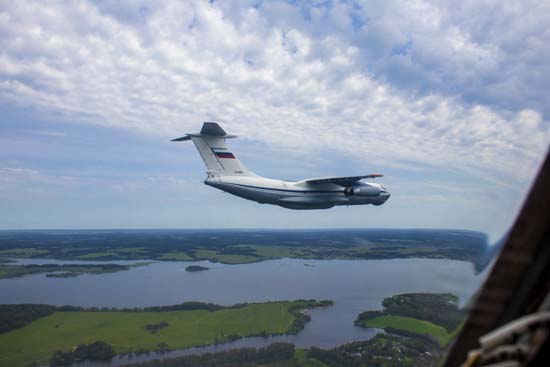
[213, 130]
[183, 138]
[342, 181]
[209, 130]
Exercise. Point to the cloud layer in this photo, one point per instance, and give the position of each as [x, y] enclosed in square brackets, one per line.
[422, 83]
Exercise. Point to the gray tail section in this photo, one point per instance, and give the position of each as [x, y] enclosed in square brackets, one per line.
[215, 153]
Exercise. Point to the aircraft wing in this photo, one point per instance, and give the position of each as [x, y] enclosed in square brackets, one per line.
[342, 181]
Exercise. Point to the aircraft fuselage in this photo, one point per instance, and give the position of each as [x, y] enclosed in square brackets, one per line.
[297, 194]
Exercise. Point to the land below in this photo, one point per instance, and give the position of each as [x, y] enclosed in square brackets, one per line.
[417, 328]
[32, 334]
[238, 247]
[62, 270]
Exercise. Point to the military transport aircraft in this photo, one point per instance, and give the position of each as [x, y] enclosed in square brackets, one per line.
[227, 173]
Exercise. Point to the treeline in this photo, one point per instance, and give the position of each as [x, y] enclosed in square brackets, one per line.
[364, 316]
[299, 322]
[58, 270]
[97, 351]
[16, 316]
[187, 306]
[299, 304]
[301, 318]
[114, 267]
[245, 357]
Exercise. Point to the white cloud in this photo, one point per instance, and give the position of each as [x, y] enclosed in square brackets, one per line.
[269, 74]
[10, 175]
[17, 177]
[178, 181]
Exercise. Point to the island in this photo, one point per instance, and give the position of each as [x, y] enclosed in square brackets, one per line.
[194, 268]
[36, 334]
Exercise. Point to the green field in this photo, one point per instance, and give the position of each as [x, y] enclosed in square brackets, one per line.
[126, 331]
[175, 256]
[413, 325]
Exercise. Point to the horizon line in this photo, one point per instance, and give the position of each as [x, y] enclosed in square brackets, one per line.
[236, 229]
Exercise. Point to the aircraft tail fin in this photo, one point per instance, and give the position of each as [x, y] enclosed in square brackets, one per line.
[215, 153]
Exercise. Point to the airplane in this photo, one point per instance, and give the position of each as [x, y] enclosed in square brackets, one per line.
[227, 173]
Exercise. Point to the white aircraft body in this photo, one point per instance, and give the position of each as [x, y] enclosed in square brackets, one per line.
[227, 173]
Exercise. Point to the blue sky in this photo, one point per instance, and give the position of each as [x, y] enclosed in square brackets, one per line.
[449, 100]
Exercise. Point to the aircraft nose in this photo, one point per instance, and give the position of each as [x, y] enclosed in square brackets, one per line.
[385, 194]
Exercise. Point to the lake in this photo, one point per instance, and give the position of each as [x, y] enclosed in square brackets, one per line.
[354, 286]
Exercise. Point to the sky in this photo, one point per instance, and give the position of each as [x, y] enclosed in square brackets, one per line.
[449, 100]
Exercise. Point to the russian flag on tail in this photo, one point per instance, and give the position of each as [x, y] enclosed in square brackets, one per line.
[222, 153]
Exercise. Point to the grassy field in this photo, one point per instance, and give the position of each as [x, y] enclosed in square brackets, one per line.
[175, 256]
[413, 325]
[126, 332]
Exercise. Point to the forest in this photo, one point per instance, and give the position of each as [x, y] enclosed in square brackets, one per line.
[16, 316]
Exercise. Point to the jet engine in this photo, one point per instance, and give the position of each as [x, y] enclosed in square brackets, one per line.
[362, 190]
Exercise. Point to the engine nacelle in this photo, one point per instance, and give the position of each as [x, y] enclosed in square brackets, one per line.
[362, 190]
